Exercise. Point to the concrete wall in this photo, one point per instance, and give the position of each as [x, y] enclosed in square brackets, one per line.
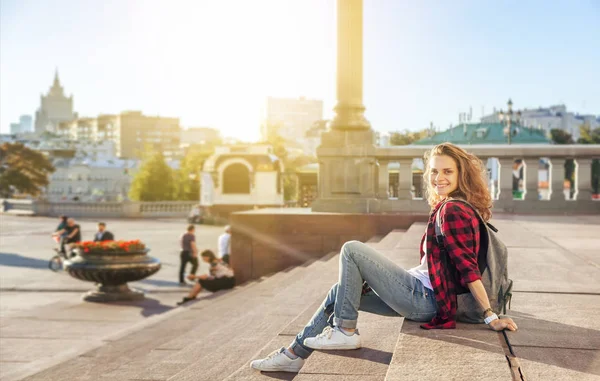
[270, 240]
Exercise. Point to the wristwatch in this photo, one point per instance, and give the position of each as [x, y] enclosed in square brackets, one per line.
[490, 318]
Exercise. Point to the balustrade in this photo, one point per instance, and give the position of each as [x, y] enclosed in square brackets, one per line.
[505, 157]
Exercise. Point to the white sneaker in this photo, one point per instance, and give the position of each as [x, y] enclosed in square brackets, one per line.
[278, 362]
[333, 338]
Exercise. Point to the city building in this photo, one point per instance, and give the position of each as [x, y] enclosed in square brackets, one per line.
[199, 135]
[15, 128]
[55, 107]
[241, 177]
[291, 119]
[86, 180]
[134, 133]
[131, 131]
[24, 126]
[548, 118]
[487, 133]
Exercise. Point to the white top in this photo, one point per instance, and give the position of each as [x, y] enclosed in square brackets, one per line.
[421, 272]
[220, 270]
[224, 244]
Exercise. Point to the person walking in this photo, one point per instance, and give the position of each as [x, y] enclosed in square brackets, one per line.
[188, 254]
[426, 293]
[225, 245]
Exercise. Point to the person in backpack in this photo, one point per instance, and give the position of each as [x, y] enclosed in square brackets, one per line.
[427, 293]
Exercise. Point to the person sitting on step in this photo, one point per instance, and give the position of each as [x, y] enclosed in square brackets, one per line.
[371, 282]
[220, 278]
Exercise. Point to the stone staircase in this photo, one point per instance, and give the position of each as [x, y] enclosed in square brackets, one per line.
[216, 337]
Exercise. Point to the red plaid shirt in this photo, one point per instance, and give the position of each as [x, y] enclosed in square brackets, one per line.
[460, 227]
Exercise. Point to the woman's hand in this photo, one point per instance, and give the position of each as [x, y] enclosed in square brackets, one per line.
[503, 323]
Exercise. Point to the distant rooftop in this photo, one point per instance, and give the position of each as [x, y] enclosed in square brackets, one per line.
[486, 133]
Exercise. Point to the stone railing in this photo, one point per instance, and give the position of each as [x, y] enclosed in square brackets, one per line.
[126, 209]
[370, 194]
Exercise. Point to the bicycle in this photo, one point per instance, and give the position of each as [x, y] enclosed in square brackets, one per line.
[56, 262]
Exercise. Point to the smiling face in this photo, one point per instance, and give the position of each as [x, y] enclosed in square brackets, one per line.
[443, 175]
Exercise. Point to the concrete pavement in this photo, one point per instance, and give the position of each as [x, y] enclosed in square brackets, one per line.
[554, 262]
[42, 318]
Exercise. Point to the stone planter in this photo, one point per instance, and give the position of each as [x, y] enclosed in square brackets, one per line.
[111, 271]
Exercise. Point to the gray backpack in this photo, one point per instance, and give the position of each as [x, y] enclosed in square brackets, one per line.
[493, 265]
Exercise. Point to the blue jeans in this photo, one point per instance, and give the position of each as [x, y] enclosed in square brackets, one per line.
[393, 292]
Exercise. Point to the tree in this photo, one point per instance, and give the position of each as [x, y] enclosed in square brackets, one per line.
[407, 137]
[154, 181]
[23, 170]
[589, 136]
[559, 136]
[187, 178]
[290, 163]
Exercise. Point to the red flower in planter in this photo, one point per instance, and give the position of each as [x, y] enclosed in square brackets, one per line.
[111, 246]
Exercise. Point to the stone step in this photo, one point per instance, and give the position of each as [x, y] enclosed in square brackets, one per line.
[389, 241]
[245, 373]
[469, 352]
[378, 334]
[375, 239]
[368, 363]
[412, 237]
[232, 346]
[129, 355]
[219, 332]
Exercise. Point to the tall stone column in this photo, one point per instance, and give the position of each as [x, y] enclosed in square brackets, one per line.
[348, 169]
[349, 110]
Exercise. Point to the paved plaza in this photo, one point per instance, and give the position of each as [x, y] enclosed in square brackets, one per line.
[47, 333]
[43, 318]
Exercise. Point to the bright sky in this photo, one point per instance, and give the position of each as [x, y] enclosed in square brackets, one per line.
[213, 62]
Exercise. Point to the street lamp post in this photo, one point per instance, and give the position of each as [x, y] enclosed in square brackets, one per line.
[508, 118]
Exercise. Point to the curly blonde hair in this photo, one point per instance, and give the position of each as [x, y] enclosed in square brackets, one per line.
[472, 179]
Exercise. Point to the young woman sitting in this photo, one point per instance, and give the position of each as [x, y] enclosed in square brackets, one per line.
[423, 293]
[220, 278]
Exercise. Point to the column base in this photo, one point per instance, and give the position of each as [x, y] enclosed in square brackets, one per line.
[117, 293]
[338, 137]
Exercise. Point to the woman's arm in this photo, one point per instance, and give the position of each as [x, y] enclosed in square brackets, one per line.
[478, 292]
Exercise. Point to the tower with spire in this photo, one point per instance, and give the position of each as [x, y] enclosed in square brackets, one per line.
[54, 108]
